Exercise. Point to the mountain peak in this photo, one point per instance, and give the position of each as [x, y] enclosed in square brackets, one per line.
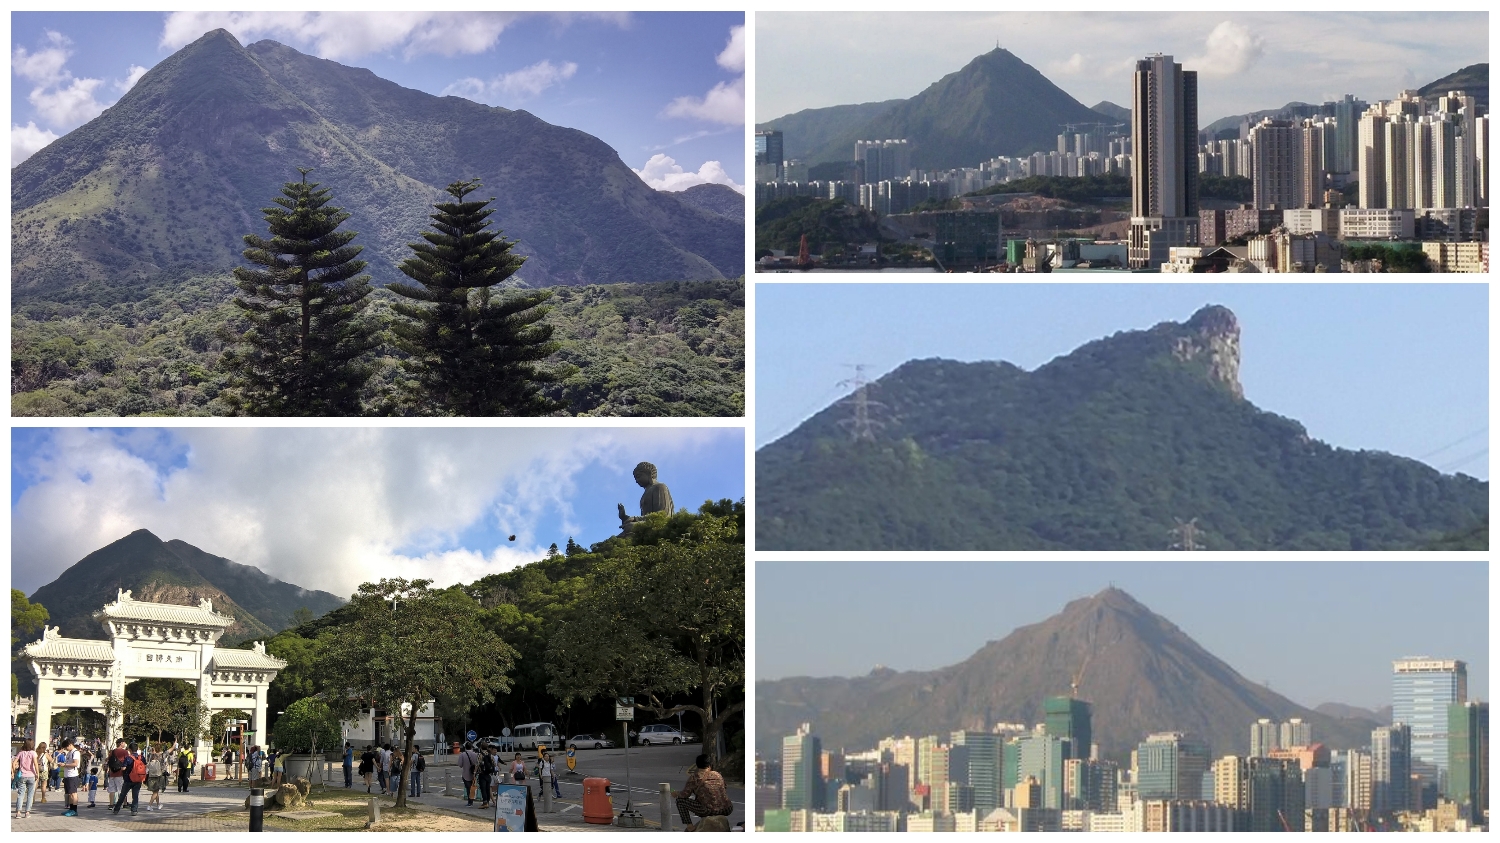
[1215, 337]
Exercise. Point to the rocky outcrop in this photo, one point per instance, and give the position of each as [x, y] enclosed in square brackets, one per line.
[1214, 334]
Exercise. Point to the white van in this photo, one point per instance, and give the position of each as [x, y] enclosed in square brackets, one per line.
[531, 735]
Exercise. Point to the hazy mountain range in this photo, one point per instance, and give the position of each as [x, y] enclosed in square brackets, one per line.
[1141, 673]
[172, 177]
[1110, 447]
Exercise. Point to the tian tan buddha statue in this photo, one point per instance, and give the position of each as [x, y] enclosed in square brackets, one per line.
[656, 498]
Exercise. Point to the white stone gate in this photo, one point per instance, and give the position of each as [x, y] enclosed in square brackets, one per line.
[150, 641]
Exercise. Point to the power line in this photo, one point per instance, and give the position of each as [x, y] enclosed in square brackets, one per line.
[1456, 463]
[1459, 441]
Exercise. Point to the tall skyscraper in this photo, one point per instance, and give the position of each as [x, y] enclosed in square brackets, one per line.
[769, 152]
[1071, 719]
[1296, 732]
[1275, 794]
[1422, 690]
[982, 757]
[1265, 736]
[1170, 765]
[1041, 757]
[802, 771]
[1346, 114]
[1164, 167]
[1469, 759]
[1390, 768]
[1277, 147]
[1372, 158]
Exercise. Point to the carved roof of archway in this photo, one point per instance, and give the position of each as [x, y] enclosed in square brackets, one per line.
[54, 646]
[126, 608]
[242, 659]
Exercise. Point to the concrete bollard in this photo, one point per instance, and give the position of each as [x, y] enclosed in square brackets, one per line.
[257, 809]
[374, 812]
[447, 778]
[666, 806]
[546, 803]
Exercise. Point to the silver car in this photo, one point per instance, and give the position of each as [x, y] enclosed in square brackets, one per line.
[591, 742]
[662, 733]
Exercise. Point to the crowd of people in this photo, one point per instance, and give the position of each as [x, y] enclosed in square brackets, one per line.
[482, 768]
[77, 768]
[385, 763]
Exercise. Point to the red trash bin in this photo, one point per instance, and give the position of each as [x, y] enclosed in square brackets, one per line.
[209, 772]
[597, 807]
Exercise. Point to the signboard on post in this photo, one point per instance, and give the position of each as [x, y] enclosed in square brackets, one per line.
[510, 807]
[471, 736]
[624, 708]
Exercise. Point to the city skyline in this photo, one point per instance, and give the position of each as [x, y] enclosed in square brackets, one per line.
[330, 508]
[1396, 352]
[1250, 61]
[830, 602]
[666, 90]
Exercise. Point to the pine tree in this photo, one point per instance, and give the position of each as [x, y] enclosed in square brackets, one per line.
[306, 340]
[472, 349]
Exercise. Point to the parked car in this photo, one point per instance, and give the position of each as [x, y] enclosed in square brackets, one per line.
[663, 733]
[591, 742]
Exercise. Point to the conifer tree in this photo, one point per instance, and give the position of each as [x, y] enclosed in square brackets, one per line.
[473, 349]
[302, 355]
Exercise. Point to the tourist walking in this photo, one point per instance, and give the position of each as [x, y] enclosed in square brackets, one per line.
[385, 768]
[115, 765]
[23, 774]
[184, 770]
[257, 763]
[549, 774]
[134, 775]
[93, 785]
[468, 769]
[70, 760]
[348, 765]
[156, 779]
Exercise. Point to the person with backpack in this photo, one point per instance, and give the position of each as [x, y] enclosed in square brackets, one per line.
[115, 764]
[133, 776]
[23, 774]
[348, 765]
[398, 761]
[487, 772]
[468, 769]
[69, 761]
[385, 769]
[184, 770]
[257, 763]
[156, 778]
[418, 767]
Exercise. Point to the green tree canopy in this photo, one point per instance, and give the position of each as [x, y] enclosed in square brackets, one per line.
[403, 643]
[661, 620]
[26, 620]
[303, 354]
[307, 726]
[473, 351]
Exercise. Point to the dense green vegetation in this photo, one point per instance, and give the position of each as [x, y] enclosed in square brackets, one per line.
[674, 348]
[530, 607]
[1102, 449]
[1404, 257]
[780, 224]
[1236, 188]
[1081, 189]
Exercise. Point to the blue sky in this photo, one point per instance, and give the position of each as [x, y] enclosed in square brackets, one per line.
[1402, 368]
[1246, 61]
[330, 508]
[648, 84]
[843, 618]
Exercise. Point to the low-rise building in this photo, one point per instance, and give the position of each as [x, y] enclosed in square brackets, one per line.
[1377, 224]
[1456, 257]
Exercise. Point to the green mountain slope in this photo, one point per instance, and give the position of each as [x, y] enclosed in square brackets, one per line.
[1105, 448]
[1473, 80]
[812, 129]
[272, 601]
[996, 105]
[173, 175]
[1142, 675]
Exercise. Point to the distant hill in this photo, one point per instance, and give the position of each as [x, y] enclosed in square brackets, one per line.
[1473, 80]
[996, 105]
[1106, 448]
[1234, 120]
[814, 128]
[170, 178]
[1112, 111]
[1141, 673]
[718, 199]
[175, 572]
[1381, 715]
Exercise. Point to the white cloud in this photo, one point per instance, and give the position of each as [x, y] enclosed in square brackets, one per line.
[27, 139]
[531, 81]
[517, 85]
[725, 103]
[1231, 48]
[45, 66]
[71, 105]
[663, 172]
[322, 508]
[131, 77]
[349, 35]
[1073, 66]
[733, 57]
